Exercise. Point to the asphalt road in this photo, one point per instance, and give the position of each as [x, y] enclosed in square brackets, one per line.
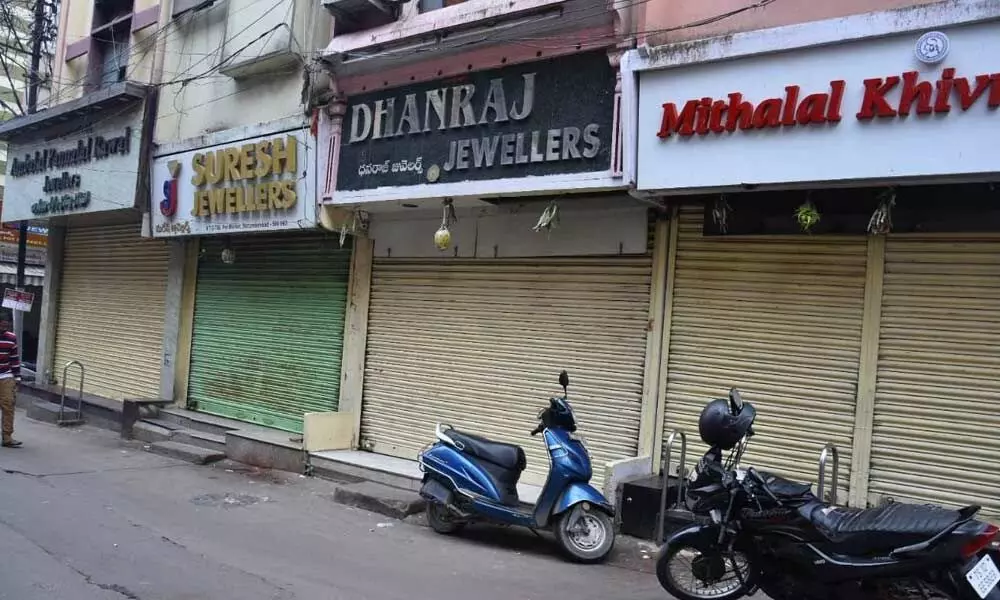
[84, 516]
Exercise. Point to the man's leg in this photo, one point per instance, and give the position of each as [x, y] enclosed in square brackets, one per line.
[7, 401]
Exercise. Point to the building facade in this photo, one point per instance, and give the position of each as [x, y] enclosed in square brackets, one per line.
[503, 247]
[833, 242]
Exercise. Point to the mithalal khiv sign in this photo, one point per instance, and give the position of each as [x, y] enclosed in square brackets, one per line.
[703, 116]
[856, 111]
[543, 118]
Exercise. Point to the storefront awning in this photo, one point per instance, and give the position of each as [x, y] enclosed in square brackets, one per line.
[32, 275]
[111, 96]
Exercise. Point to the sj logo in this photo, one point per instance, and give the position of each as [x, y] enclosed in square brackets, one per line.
[168, 205]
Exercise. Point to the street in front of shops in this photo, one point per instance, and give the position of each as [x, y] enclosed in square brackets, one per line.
[86, 516]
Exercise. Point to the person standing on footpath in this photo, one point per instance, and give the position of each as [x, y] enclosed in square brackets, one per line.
[10, 375]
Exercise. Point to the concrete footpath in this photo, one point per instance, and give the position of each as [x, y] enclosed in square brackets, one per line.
[84, 515]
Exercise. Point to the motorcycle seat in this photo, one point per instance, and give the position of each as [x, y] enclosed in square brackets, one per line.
[878, 530]
[786, 489]
[507, 456]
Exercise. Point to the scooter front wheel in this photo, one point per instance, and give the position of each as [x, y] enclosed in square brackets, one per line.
[587, 540]
[442, 519]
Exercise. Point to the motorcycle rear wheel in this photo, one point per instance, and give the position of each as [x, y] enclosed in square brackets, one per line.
[707, 572]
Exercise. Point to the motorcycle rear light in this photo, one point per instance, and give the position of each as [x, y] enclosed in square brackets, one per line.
[986, 539]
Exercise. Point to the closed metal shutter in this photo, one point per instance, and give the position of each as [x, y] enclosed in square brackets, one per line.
[936, 434]
[479, 344]
[779, 318]
[268, 329]
[111, 311]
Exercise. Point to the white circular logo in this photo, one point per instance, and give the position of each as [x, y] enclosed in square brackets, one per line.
[932, 47]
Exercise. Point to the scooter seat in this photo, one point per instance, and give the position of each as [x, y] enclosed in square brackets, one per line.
[507, 456]
[878, 530]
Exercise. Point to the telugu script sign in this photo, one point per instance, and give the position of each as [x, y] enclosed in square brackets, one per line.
[258, 184]
[544, 118]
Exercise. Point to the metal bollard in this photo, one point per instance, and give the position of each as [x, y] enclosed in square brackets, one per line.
[79, 400]
[828, 450]
[665, 469]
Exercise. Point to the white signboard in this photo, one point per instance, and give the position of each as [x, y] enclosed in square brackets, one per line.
[858, 111]
[91, 170]
[258, 184]
[18, 300]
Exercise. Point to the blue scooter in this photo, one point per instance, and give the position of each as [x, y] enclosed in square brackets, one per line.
[469, 478]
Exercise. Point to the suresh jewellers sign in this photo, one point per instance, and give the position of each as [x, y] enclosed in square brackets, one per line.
[91, 171]
[544, 118]
[257, 184]
[780, 119]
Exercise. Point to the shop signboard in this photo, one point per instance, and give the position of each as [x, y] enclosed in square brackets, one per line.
[551, 117]
[258, 184]
[867, 110]
[18, 300]
[91, 170]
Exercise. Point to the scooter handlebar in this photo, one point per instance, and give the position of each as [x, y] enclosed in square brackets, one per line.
[537, 430]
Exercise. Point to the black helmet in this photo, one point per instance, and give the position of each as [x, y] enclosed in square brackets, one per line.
[723, 423]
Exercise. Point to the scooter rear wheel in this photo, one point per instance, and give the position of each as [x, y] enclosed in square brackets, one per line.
[591, 538]
[442, 519]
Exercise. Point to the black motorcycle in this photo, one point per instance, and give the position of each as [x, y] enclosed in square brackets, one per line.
[759, 532]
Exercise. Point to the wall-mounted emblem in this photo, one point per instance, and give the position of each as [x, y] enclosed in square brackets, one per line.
[168, 204]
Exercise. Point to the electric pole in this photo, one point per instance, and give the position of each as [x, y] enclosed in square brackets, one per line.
[38, 33]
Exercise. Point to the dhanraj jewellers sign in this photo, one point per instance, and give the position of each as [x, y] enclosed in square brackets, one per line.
[544, 118]
[783, 119]
[93, 170]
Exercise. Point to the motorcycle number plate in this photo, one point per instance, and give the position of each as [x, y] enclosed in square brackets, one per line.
[984, 576]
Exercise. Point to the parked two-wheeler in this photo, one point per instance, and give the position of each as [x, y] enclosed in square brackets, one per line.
[758, 531]
[469, 478]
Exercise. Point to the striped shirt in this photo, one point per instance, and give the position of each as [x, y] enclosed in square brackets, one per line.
[10, 358]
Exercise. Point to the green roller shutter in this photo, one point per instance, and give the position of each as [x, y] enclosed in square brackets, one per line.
[268, 329]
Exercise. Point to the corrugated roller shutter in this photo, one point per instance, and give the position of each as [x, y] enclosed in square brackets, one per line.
[936, 435]
[779, 318]
[268, 329]
[111, 311]
[479, 344]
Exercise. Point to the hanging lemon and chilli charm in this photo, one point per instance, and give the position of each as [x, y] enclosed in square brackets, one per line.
[442, 237]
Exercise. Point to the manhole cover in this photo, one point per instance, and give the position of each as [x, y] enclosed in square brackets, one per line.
[226, 500]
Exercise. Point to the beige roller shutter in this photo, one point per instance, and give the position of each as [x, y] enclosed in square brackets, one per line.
[779, 318]
[111, 310]
[480, 343]
[936, 435]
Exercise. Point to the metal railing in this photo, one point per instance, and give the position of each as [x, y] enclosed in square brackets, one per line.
[828, 451]
[668, 451]
[62, 420]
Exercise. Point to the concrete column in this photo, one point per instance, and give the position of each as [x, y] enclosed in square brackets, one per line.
[352, 369]
[50, 304]
[172, 316]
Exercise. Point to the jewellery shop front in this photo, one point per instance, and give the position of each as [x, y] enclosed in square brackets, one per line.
[76, 169]
[836, 253]
[262, 308]
[477, 300]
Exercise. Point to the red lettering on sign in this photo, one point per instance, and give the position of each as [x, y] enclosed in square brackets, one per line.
[874, 103]
[682, 124]
[880, 99]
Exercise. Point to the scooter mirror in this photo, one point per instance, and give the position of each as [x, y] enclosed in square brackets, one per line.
[564, 380]
[735, 400]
